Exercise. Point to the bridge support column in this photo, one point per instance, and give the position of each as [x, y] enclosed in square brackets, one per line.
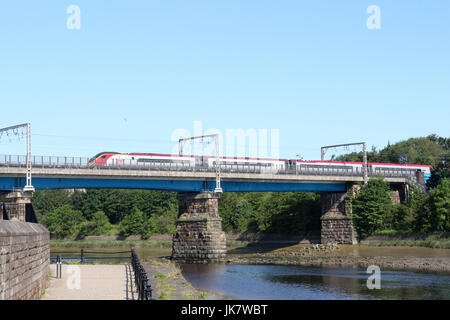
[15, 203]
[199, 234]
[336, 220]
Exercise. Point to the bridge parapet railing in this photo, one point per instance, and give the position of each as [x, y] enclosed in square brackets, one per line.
[157, 165]
[20, 161]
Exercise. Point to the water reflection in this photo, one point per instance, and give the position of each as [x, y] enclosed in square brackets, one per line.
[296, 283]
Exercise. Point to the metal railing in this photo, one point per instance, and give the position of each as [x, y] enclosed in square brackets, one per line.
[86, 256]
[144, 289]
[17, 161]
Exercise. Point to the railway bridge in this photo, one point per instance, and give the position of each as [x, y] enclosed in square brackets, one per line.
[199, 233]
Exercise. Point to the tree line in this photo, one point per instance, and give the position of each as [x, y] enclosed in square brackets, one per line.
[147, 212]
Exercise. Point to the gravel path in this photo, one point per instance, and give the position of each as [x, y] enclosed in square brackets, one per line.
[90, 282]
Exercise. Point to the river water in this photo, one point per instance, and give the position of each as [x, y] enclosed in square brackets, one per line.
[279, 282]
[282, 282]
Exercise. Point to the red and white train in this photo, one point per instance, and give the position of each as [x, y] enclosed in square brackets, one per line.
[111, 159]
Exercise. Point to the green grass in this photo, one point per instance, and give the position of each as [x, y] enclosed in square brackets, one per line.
[202, 295]
[391, 232]
[237, 243]
[111, 243]
[125, 243]
[429, 243]
[160, 276]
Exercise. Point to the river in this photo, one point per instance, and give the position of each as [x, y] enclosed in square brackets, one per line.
[279, 282]
[283, 282]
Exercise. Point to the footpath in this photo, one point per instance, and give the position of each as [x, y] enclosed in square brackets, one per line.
[91, 282]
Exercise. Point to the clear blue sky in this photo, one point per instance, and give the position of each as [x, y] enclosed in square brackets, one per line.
[138, 70]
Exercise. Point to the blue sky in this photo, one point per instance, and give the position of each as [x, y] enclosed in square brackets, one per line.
[136, 71]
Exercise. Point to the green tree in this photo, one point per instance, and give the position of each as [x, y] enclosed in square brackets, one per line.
[372, 207]
[439, 172]
[405, 215]
[242, 215]
[434, 214]
[64, 221]
[46, 201]
[163, 221]
[133, 223]
[99, 225]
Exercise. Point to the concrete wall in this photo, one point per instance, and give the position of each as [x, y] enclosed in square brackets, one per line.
[24, 260]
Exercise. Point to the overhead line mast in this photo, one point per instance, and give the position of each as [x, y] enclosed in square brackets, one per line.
[218, 188]
[365, 171]
[15, 130]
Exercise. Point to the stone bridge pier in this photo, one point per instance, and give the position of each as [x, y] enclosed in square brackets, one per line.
[336, 219]
[16, 205]
[199, 234]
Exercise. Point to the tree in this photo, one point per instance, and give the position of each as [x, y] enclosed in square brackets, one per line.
[133, 223]
[163, 221]
[242, 215]
[441, 171]
[99, 225]
[412, 151]
[46, 201]
[440, 199]
[372, 207]
[405, 214]
[64, 221]
[434, 214]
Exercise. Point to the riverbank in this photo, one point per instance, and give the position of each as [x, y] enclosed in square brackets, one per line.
[408, 258]
[168, 283]
[345, 256]
[427, 243]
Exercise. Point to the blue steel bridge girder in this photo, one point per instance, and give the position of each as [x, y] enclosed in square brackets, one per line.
[11, 183]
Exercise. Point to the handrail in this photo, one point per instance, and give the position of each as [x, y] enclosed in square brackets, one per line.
[140, 277]
[144, 289]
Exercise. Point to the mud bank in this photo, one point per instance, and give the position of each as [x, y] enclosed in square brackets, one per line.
[318, 255]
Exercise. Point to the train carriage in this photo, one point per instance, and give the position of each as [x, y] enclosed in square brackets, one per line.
[251, 165]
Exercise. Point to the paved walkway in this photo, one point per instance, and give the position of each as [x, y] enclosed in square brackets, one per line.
[91, 282]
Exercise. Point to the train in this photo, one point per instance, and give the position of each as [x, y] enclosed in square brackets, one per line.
[267, 166]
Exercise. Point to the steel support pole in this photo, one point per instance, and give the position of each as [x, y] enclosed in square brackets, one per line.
[28, 186]
[365, 173]
[218, 188]
[364, 166]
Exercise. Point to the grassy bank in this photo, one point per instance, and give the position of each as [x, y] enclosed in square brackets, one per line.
[168, 282]
[125, 243]
[111, 243]
[428, 243]
[439, 243]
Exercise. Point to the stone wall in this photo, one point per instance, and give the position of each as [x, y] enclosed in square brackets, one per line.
[24, 260]
[199, 234]
[336, 220]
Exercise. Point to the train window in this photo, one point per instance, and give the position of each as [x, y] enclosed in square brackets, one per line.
[103, 157]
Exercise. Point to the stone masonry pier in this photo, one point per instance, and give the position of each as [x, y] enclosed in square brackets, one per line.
[199, 234]
[336, 220]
